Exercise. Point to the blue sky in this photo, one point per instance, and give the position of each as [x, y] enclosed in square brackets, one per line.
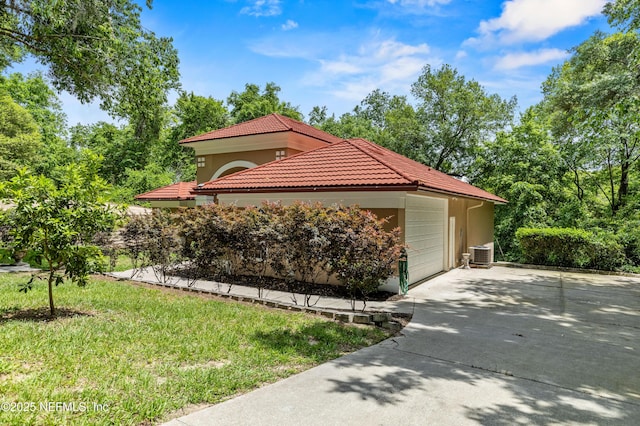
[334, 53]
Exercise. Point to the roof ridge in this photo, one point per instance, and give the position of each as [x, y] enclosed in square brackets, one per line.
[223, 128]
[280, 117]
[384, 163]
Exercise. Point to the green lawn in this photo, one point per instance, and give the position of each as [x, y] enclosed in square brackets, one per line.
[139, 354]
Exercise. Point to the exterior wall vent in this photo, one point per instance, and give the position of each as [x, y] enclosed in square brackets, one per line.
[480, 255]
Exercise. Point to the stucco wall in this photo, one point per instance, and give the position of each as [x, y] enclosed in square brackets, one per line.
[257, 149]
[390, 214]
[481, 226]
[213, 162]
[172, 204]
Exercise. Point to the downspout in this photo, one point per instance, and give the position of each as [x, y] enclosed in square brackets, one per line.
[468, 209]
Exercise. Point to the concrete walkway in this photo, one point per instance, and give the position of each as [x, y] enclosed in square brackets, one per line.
[17, 267]
[500, 346]
[285, 298]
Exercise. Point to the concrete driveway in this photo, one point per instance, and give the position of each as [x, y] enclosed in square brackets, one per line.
[500, 346]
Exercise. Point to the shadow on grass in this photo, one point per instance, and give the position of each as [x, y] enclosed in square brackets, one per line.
[38, 314]
[320, 341]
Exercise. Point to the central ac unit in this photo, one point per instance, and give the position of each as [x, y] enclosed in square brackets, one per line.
[480, 255]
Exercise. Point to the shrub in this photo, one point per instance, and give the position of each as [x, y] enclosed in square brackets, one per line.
[153, 240]
[303, 250]
[206, 240]
[629, 236]
[363, 254]
[570, 247]
[298, 243]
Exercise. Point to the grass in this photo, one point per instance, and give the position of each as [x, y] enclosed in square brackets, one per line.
[124, 354]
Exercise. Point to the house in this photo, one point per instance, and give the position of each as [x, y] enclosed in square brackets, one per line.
[279, 159]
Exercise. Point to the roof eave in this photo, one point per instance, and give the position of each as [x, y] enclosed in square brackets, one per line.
[347, 188]
[164, 198]
[187, 141]
[460, 194]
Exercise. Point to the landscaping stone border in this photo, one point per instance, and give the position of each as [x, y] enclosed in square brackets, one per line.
[379, 319]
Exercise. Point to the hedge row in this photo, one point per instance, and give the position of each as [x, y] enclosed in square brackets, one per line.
[571, 247]
[297, 243]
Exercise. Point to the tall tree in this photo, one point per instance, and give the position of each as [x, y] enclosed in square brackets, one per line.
[191, 115]
[35, 94]
[94, 49]
[397, 125]
[458, 116]
[252, 103]
[20, 141]
[524, 167]
[117, 146]
[594, 102]
[625, 14]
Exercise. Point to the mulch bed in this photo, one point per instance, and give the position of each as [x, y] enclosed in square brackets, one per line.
[325, 290]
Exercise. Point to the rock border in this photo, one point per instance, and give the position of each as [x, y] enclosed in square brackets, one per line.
[380, 319]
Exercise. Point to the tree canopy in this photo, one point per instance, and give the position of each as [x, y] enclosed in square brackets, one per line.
[251, 103]
[94, 49]
[58, 221]
[593, 101]
[457, 115]
[19, 137]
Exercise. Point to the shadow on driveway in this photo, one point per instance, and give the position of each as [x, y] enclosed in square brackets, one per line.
[499, 346]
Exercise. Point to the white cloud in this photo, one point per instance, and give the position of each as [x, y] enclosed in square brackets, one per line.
[350, 64]
[416, 7]
[340, 66]
[289, 25]
[262, 8]
[388, 64]
[535, 20]
[526, 59]
[461, 54]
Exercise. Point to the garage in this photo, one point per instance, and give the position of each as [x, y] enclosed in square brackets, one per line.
[425, 224]
[416, 198]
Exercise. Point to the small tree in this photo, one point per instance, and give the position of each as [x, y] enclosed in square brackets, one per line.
[58, 221]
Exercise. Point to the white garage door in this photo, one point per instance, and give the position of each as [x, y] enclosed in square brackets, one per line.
[425, 220]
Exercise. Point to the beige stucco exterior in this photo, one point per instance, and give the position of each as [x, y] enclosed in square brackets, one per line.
[219, 165]
[172, 204]
[473, 225]
[473, 218]
[229, 155]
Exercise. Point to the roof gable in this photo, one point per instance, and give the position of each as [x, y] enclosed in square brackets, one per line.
[350, 164]
[271, 123]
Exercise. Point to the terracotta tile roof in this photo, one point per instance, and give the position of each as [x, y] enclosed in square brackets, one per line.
[271, 123]
[354, 164]
[177, 191]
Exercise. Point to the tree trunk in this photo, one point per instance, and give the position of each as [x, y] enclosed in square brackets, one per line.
[623, 190]
[576, 180]
[613, 200]
[51, 307]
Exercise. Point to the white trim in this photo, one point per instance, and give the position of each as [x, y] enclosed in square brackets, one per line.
[452, 242]
[262, 142]
[233, 165]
